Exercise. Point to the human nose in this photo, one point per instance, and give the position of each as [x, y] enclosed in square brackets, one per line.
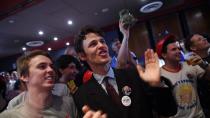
[51, 70]
[101, 44]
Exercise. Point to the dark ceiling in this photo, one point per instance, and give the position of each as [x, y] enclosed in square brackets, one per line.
[20, 20]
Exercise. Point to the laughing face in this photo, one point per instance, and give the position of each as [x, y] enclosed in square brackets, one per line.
[41, 73]
[95, 50]
[199, 42]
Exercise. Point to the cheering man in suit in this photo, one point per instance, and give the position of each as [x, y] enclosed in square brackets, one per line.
[120, 93]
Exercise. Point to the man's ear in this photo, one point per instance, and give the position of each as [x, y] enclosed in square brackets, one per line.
[82, 56]
[24, 78]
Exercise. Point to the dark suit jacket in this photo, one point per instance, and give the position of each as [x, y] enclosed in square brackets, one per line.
[143, 98]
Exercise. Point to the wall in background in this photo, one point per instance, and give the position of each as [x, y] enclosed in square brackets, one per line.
[146, 33]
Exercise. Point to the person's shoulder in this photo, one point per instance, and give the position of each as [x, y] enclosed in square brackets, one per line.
[7, 114]
[61, 86]
[67, 98]
[62, 99]
[12, 113]
[17, 100]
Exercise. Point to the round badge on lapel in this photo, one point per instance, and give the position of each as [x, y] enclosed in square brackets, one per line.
[126, 90]
[126, 101]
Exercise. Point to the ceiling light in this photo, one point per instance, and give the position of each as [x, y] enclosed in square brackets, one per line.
[67, 43]
[55, 38]
[151, 7]
[70, 22]
[34, 43]
[49, 49]
[105, 10]
[24, 48]
[198, 15]
[41, 33]
[11, 21]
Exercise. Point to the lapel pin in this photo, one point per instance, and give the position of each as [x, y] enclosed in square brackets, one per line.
[126, 90]
[126, 101]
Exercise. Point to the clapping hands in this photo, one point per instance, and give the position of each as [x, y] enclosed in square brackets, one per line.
[92, 114]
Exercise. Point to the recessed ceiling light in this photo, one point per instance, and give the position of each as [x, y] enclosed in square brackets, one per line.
[67, 43]
[11, 21]
[24, 48]
[69, 22]
[41, 32]
[151, 7]
[105, 10]
[34, 43]
[55, 38]
[198, 15]
[49, 49]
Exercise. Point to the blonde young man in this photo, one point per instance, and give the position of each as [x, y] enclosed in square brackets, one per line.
[36, 70]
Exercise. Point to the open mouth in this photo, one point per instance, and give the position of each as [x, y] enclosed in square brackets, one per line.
[50, 78]
[103, 53]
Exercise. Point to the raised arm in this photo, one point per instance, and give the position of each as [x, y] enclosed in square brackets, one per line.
[124, 55]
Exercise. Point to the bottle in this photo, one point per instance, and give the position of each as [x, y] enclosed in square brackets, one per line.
[127, 18]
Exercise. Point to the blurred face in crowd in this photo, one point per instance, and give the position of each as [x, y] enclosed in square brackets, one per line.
[95, 50]
[41, 73]
[70, 71]
[199, 43]
[14, 75]
[116, 46]
[173, 53]
[71, 51]
[6, 75]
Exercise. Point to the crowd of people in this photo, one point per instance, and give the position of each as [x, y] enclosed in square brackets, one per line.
[86, 82]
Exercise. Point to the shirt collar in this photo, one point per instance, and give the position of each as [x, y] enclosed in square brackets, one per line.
[100, 78]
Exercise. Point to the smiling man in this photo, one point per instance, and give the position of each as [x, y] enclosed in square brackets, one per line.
[120, 92]
[200, 45]
[182, 76]
[36, 71]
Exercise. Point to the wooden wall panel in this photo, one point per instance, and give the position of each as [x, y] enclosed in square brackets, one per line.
[169, 23]
[198, 19]
[139, 40]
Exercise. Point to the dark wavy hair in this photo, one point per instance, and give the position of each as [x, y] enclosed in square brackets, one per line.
[78, 42]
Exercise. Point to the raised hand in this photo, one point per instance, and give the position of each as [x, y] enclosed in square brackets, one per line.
[151, 73]
[92, 114]
[124, 31]
[193, 59]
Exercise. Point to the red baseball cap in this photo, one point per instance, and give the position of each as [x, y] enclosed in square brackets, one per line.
[159, 45]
